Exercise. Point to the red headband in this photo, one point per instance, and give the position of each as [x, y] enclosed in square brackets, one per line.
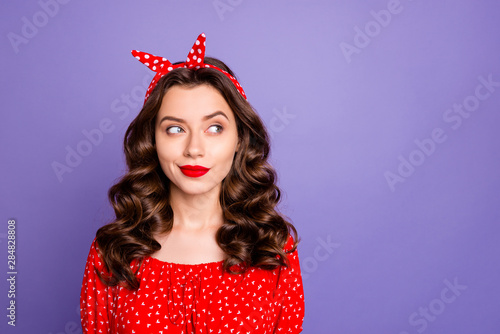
[194, 60]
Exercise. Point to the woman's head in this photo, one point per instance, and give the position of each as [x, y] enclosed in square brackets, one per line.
[144, 149]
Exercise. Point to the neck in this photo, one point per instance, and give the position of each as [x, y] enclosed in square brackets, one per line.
[195, 212]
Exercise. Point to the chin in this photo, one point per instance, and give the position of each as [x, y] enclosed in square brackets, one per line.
[199, 189]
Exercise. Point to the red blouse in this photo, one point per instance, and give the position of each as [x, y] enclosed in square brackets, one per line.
[194, 298]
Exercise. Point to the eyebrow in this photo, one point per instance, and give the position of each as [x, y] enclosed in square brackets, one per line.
[207, 117]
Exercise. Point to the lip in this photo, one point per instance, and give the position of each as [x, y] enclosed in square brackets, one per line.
[193, 171]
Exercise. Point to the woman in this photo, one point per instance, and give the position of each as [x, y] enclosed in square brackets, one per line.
[197, 245]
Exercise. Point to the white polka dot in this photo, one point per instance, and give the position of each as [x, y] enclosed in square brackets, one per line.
[146, 56]
[147, 64]
[194, 57]
[192, 51]
[154, 68]
[199, 60]
[170, 68]
[187, 60]
[164, 59]
[197, 42]
[156, 61]
[199, 50]
[137, 57]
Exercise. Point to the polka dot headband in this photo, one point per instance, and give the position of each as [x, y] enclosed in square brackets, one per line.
[195, 59]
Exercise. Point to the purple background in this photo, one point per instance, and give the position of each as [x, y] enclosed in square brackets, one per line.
[375, 258]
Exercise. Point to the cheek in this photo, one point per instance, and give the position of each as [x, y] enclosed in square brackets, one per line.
[226, 156]
[167, 157]
[167, 150]
[162, 154]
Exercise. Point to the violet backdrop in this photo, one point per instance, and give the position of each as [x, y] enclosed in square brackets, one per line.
[383, 117]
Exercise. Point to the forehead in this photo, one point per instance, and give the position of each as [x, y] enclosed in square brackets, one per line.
[193, 103]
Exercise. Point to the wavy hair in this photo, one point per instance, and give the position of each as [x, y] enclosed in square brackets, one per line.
[253, 233]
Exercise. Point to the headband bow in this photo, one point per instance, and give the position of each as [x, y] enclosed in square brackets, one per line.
[195, 60]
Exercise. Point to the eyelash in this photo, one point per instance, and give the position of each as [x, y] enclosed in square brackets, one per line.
[167, 130]
[220, 127]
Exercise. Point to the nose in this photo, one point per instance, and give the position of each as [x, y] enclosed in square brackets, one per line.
[194, 145]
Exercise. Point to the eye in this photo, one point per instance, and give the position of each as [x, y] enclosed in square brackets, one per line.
[215, 129]
[174, 129]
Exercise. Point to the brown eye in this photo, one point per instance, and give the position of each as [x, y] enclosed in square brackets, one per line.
[174, 129]
[215, 129]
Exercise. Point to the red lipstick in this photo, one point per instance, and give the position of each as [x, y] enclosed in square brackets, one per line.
[194, 171]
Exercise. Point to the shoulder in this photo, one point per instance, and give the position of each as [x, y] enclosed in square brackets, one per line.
[96, 260]
[290, 244]
[95, 256]
[95, 250]
[99, 260]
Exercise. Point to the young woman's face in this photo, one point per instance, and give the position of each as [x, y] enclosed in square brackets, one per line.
[196, 139]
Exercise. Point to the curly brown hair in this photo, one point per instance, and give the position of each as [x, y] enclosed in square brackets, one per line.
[253, 233]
